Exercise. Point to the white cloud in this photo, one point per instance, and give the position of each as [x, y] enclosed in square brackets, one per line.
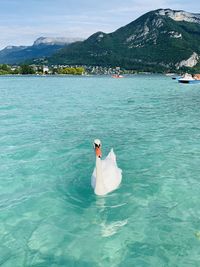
[80, 22]
[137, 6]
[25, 35]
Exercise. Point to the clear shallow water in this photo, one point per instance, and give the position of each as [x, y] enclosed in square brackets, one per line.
[49, 215]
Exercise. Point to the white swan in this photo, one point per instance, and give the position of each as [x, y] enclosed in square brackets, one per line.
[106, 176]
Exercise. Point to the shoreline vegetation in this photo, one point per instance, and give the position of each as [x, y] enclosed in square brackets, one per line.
[26, 69]
[39, 70]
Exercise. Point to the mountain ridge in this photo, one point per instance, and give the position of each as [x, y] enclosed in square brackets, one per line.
[55, 40]
[42, 47]
[159, 39]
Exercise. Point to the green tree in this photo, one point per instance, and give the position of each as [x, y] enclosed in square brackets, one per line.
[71, 70]
[80, 70]
[26, 69]
[5, 68]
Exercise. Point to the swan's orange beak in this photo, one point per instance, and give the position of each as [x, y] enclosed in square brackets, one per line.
[98, 151]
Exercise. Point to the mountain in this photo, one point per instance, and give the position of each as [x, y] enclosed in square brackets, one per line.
[55, 41]
[162, 39]
[42, 47]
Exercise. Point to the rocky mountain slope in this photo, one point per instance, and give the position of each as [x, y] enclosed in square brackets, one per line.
[163, 39]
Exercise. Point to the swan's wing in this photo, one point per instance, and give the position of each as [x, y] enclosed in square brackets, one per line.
[93, 178]
[111, 156]
[110, 161]
[111, 173]
[112, 176]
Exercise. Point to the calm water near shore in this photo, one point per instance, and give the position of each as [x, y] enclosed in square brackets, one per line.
[49, 215]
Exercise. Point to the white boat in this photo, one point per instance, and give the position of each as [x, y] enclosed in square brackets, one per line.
[170, 74]
[187, 78]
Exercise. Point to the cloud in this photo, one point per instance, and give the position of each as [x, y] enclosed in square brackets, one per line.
[136, 7]
[23, 31]
[25, 35]
[70, 18]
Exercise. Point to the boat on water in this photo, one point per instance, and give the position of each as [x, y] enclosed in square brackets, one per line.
[116, 76]
[176, 77]
[170, 74]
[188, 78]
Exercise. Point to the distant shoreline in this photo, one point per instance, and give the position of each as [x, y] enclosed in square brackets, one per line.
[83, 76]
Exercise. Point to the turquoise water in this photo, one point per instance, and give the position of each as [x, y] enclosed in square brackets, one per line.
[49, 215]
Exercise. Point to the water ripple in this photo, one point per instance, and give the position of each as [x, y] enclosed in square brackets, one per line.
[50, 215]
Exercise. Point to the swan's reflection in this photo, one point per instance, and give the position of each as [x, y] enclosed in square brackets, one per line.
[108, 228]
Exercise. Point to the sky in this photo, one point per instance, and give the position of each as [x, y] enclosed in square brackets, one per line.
[23, 21]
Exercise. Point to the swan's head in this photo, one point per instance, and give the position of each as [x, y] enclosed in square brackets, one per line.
[97, 147]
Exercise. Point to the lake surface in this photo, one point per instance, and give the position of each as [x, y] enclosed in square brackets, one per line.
[49, 215]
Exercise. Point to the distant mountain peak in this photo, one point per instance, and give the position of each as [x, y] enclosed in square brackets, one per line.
[179, 15]
[42, 47]
[55, 40]
[97, 36]
[12, 47]
[9, 47]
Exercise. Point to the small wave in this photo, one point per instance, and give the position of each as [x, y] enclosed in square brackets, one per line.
[113, 228]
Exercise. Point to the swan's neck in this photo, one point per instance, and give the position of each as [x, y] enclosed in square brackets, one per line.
[99, 188]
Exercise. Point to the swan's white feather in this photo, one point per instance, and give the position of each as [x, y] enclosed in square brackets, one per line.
[112, 175]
